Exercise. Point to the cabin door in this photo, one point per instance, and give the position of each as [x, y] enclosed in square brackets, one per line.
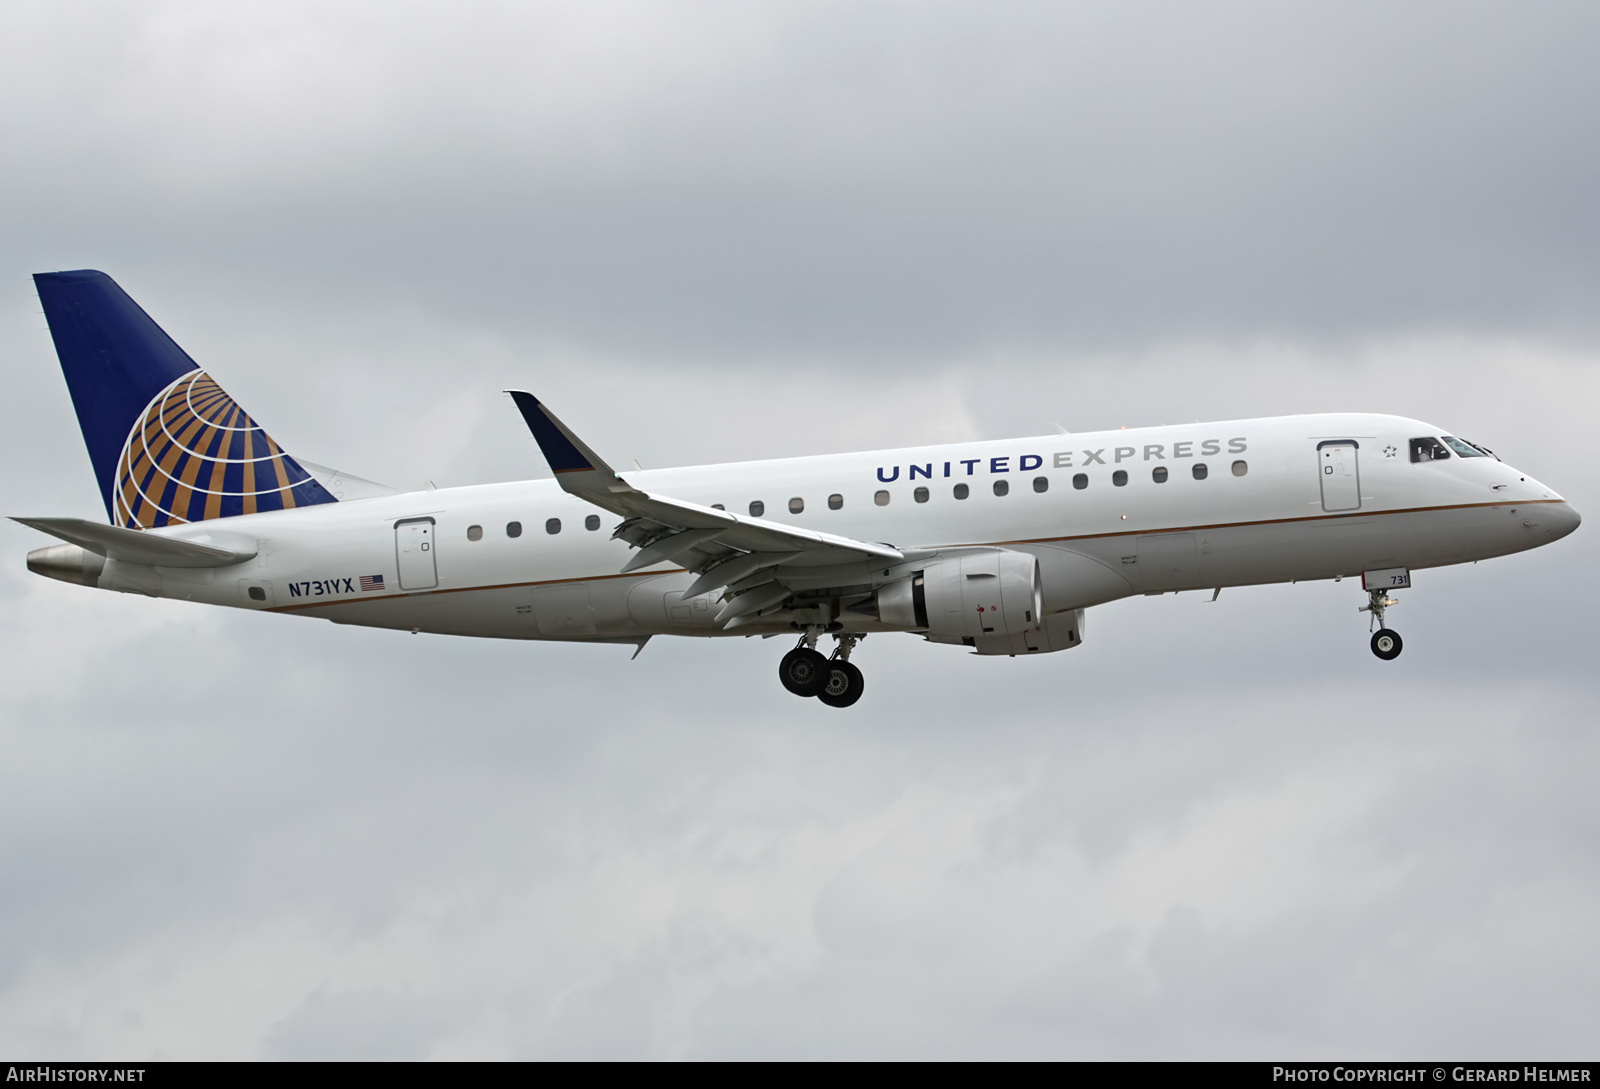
[1341, 479]
[413, 553]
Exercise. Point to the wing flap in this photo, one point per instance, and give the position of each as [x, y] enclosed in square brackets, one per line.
[671, 547]
[734, 569]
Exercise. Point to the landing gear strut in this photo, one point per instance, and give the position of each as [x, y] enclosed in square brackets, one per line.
[845, 682]
[1386, 644]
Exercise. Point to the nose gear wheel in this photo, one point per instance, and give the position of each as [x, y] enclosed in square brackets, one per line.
[1387, 644]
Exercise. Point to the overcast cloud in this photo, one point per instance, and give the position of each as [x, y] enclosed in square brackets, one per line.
[708, 232]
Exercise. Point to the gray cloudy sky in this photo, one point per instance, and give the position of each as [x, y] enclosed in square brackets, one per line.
[717, 231]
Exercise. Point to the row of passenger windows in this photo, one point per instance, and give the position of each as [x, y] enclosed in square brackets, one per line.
[1080, 481]
[552, 526]
[797, 505]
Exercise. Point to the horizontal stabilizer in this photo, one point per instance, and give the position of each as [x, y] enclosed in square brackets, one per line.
[135, 546]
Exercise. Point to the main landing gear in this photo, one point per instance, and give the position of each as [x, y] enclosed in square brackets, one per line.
[1386, 644]
[805, 672]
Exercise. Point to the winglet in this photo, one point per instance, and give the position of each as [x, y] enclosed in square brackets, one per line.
[565, 452]
[578, 469]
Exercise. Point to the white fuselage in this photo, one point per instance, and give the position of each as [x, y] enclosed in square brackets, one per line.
[1285, 513]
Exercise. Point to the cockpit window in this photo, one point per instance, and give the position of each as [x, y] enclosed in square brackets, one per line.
[1428, 449]
[1462, 448]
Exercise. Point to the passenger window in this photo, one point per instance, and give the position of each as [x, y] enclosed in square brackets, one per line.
[757, 508]
[474, 533]
[1463, 449]
[920, 495]
[797, 505]
[881, 498]
[961, 491]
[1159, 474]
[718, 506]
[1080, 481]
[1041, 483]
[257, 593]
[1120, 477]
[592, 523]
[1001, 487]
[552, 526]
[1200, 470]
[1428, 449]
[513, 529]
[835, 501]
[1240, 468]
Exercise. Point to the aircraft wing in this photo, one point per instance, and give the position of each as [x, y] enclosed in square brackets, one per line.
[725, 549]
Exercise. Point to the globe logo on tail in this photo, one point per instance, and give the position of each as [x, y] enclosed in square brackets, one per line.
[194, 455]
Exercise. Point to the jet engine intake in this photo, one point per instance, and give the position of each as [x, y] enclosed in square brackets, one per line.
[991, 601]
[981, 593]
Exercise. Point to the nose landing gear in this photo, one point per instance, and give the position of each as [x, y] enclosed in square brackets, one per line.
[834, 681]
[1386, 644]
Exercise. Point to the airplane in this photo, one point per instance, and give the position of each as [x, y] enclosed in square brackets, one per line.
[997, 546]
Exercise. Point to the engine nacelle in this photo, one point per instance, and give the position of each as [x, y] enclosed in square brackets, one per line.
[1060, 631]
[993, 592]
[990, 601]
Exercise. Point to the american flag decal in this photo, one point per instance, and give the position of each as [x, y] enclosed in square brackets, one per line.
[371, 582]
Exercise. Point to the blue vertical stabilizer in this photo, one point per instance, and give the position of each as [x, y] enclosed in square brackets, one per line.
[167, 444]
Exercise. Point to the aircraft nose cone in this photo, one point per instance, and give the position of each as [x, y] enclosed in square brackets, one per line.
[1563, 519]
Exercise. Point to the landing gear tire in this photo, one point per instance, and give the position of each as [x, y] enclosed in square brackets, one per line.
[844, 684]
[1387, 644]
[804, 671]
